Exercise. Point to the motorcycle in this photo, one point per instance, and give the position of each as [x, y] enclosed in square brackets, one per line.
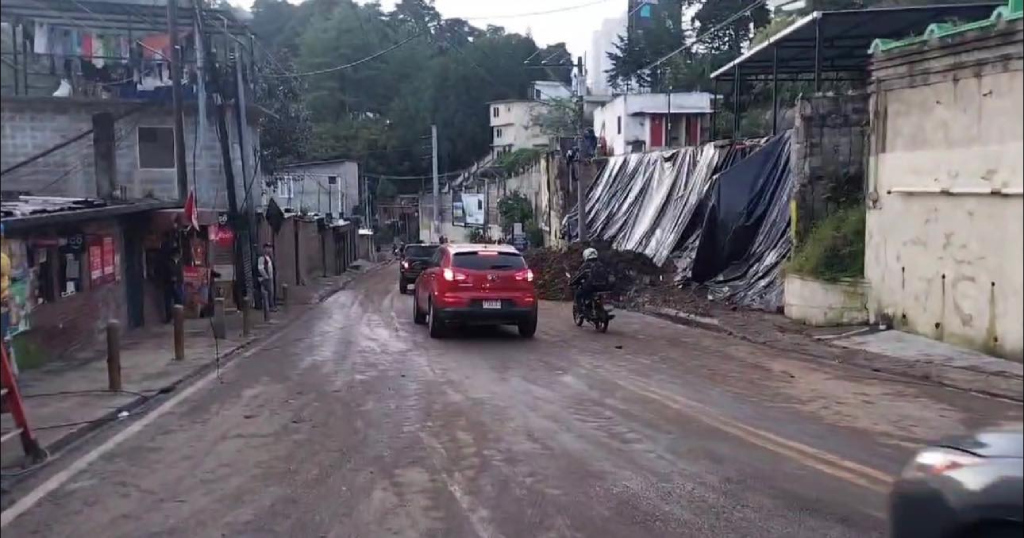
[594, 311]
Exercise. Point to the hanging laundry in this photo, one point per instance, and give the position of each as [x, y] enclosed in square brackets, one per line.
[99, 51]
[156, 47]
[41, 39]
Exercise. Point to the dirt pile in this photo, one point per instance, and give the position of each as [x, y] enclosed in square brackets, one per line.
[632, 271]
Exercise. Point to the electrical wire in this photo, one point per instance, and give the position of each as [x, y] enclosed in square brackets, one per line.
[349, 65]
[532, 13]
[754, 5]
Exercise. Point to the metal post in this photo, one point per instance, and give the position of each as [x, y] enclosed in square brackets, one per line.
[113, 356]
[284, 296]
[219, 328]
[714, 110]
[179, 121]
[437, 184]
[775, 90]
[574, 165]
[736, 102]
[14, 55]
[179, 332]
[817, 54]
[246, 318]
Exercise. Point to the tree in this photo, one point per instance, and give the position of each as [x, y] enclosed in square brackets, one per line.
[512, 208]
[386, 190]
[285, 129]
[647, 39]
[558, 117]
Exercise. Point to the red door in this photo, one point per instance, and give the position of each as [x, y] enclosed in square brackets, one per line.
[657, 132]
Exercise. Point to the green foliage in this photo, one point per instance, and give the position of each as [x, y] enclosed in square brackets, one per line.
[834, 249]
[518, 161]
[386, 190]
[379, 111]
[558, 117]
[535, 235]
[512, 208]
[285, 129]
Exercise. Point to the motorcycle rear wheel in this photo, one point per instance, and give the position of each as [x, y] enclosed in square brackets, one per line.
[577, 316]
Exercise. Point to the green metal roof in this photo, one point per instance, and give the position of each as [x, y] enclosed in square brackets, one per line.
[1011, 11]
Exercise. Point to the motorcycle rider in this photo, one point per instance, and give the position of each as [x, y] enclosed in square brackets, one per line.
[592, 277]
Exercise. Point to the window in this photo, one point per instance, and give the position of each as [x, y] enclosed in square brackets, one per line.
[420, 252]
[488, 261]
[497, 133]
[495, 112]
[618, 125]
[156, 148]
[537, 94]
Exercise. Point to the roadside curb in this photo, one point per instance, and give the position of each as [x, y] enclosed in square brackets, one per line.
[844, 356]
[199, 370]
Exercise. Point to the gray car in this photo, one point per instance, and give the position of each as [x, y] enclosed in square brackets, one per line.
[966, 486]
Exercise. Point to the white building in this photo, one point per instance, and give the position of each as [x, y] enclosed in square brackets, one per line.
[640, 122]
[512, 125]
[323, 187]
[601, 44]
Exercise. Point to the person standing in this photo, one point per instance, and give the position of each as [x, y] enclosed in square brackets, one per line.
[265, 268]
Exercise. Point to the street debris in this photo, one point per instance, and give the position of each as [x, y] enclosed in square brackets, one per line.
[632, 270]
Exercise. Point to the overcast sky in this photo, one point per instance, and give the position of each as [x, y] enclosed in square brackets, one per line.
[573, 26]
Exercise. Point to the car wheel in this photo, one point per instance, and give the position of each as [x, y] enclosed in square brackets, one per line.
[994, 531]
[402, 287]
[529, 327]
[417, 317]
[436, 325]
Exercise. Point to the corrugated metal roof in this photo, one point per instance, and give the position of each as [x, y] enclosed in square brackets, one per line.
[25, 206]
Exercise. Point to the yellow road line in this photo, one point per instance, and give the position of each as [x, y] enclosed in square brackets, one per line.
[828, 463]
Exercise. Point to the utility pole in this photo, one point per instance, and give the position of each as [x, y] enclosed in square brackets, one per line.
[247, 236]
[225, 154]
[179, 123]
[437, 184]
[574, 170]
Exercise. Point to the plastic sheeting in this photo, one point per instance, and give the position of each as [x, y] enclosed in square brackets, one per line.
[721, 213]
[745, 235]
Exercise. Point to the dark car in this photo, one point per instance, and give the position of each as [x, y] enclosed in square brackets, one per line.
[476, 285]
[964, 486]
[414, 258]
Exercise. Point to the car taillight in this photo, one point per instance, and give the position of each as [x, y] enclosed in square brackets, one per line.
[405, 264]
[450, 275]
[526, 275]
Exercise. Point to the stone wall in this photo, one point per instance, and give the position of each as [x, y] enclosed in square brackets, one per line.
[828, 155]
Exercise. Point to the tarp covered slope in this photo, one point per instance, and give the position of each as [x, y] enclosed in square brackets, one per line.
[720, 212]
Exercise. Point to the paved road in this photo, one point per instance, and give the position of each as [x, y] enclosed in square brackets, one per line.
[353, 423]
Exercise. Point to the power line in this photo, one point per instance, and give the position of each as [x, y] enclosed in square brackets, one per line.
[754, 5]
[350, 64]
[544, 12]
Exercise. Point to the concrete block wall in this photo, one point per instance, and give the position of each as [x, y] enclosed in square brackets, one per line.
[828, 154]
[34, 124]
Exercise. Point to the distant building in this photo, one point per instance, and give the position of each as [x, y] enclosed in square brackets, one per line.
[642, 122]
[330, 186]
[601, 44]
[512, 125]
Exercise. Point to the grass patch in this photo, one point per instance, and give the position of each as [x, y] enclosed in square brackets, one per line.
[834, 249]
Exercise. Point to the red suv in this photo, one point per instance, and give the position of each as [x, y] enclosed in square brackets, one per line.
[476, 285]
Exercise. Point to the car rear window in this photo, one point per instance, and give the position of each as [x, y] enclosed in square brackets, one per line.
[488, 261]
[420, 251]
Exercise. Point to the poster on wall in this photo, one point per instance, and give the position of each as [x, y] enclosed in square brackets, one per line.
[458, 214]
[108, 259]
[475, 208]
[96, 261]
[197, 287]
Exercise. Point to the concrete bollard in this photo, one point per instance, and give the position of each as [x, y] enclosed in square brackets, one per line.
[179, 332]
[113, 356]
[284, 296]
[219, 328]
[246, 320]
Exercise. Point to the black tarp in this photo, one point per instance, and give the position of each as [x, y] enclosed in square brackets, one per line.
[745, 233]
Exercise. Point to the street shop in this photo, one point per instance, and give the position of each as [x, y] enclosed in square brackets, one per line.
[70, 257]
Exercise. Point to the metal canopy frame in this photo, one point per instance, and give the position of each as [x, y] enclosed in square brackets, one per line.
[836, 43]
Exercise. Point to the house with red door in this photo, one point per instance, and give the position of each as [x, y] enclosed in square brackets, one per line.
[632, 123]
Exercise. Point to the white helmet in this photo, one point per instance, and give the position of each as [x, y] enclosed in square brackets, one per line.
[590, 254]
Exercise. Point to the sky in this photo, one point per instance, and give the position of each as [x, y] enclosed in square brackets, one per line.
[574, 27]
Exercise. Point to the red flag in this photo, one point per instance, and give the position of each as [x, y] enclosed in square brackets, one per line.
[191, 212]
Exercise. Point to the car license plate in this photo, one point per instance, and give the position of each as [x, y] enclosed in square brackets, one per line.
[492, 304]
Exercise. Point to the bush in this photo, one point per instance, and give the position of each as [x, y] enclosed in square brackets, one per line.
[834, 249]
[477, 235]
